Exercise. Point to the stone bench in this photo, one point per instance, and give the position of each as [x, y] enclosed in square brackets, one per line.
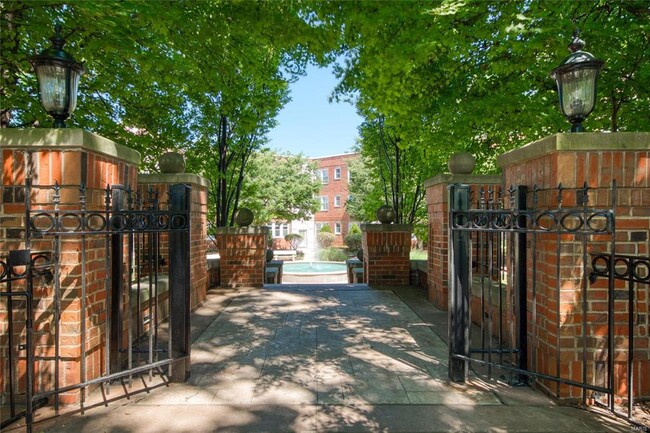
[284, 255]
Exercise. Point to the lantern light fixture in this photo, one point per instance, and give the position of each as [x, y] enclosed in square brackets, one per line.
[576, 83]
[58, 77]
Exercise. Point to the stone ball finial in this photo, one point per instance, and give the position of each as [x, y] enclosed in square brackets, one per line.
[244, 217]
[385, 214]
[461, 163]
[171, 162]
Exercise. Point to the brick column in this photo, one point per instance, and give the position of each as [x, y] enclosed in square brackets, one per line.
[386, 254]
[243, 255]
[198, 225]
[597, 159]
[70, 158]
[437, 197]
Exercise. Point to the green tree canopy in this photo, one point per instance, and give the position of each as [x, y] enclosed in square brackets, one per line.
[474, 75]
[280, 187]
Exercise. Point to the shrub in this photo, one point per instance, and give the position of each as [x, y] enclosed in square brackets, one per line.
[294, 239]
[332, 255]
[326, 229]
[353, 239]
[325, 239]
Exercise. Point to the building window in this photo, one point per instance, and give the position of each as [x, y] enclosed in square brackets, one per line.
[337, 173]
[337, 228]
[279, 230]
[323, 175]
[324, 203]
[337, 201]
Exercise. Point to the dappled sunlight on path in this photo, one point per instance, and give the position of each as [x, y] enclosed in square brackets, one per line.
[324, 358]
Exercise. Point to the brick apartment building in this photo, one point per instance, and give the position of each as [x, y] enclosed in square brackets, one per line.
[334, 176]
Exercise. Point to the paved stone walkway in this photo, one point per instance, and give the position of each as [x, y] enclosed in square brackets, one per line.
[316, 359]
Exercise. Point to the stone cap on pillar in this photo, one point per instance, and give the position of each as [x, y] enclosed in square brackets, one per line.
[577, 142]
[387, 228]
[172, 178]
[250, 230]
[66, 139]
[470, 179]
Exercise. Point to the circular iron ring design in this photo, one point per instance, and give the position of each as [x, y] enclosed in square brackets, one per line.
[526, 218]
[140, 221]
[626, 264]
[33, 221]
[641, 265]
[480, 220]
[593, 227]
[502, 220]
[603, 269]
[118, 222]
[88, 222]
[575, 216]
[177, 222]
[540, 218]
[461, 220]
[75, 218]
[162, 221]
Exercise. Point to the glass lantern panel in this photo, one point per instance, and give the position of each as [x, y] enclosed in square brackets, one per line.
[74, 86]
[578, 92]
[52, 81]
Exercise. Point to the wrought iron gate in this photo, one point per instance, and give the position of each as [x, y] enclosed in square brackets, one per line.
[524, 295]
[97, 279]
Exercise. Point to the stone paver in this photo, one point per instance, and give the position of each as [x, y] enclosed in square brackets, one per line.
[320, 358]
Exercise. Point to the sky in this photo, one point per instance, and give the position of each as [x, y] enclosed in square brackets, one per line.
[309, 124]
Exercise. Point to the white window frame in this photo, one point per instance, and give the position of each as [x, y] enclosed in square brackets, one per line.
[279, 230]
[337, 173]
[337, 228]
[337, 201]
[324, 175]
[324, 203]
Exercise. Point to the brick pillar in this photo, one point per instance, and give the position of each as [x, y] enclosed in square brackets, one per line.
[597, 159]
[198, 225]
[69, 157]
[437, 197]
[386, 254]
[242, 252]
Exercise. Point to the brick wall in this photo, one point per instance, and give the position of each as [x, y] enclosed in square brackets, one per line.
[198, 225]
[242, 252]
[69, 157]
[595, 159]
[386, 254]
[437, 199]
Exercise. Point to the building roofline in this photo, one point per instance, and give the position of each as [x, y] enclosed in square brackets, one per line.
[333, 156]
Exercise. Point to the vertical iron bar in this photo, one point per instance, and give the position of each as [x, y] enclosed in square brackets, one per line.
[583, 287]
[179, 280]
[10, 340]
[533, 249]
[481, 266]
[107, 287]
[499, 264]
[459, 321]
[117, 311]
[57, 296]
[521, 280]
[558, 253]
[630, 356]
[129, 287]
[490, 271]
[610, 306]
[82, 200]
[29, 379]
